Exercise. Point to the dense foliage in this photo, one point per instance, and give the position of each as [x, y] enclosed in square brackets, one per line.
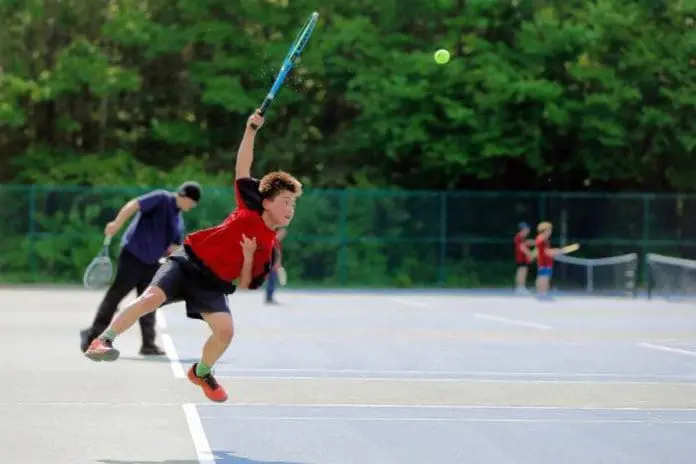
[540, 93]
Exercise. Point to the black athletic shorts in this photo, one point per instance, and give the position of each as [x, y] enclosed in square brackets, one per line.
[184, 278]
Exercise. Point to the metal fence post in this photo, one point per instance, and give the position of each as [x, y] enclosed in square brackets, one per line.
[442, 268]
[343, 238]
[32, 229]
[542, 207]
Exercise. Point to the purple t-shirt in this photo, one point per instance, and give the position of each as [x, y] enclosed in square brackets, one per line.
[157, 225]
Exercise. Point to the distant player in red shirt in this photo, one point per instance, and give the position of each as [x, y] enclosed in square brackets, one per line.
[544, 255]
[523, 256]
[238, 253]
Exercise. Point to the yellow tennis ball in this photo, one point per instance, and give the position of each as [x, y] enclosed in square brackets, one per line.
[442, 56]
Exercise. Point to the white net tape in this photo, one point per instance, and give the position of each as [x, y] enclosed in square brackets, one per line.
[671, 261]
[609, 261]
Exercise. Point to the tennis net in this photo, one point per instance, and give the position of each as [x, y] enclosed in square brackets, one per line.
[614, 275]
[670, 277]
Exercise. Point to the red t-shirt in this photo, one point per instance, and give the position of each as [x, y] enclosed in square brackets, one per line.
[543, 260]
[520, 257]
[219, 247]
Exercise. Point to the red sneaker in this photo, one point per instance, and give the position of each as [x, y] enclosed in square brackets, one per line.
[212, 389]
[102, 350]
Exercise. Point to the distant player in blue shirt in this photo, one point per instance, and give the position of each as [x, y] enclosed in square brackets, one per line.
[156, 230]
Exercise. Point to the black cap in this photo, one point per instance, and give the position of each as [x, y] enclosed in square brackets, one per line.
[190, 189]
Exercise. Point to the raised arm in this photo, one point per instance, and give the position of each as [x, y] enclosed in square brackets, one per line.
[245, 154]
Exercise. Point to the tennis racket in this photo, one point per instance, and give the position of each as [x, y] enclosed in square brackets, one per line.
[564, 250]
[294, 53]
[282, 276]
[570, 248]
[101, 269]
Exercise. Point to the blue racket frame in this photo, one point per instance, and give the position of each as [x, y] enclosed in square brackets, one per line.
[296, 50]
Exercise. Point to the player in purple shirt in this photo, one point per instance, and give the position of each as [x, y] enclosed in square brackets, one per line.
[158, 228]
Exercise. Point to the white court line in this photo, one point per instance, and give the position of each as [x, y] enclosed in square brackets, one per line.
[200, 441]
[505, 320]
[161, 320]
[470, 380]
[118, 404]
[174, 362]
[89, 404]
[434, 374]
[170, 348]
[667, 349]
[464, 407]
[452, 419]
[412, 303]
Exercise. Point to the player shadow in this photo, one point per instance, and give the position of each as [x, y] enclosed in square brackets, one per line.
[158, 359]
[223, 457]
[228, 457]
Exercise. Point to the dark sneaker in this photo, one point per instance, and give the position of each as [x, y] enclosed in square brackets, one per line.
[102, 350]
[212, 389]
[85, 339]
[151, 350]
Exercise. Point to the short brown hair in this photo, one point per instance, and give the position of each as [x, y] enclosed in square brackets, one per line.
[544, 226]
[278, 181]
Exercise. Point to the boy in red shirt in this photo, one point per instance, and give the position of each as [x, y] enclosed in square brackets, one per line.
[545, 255]
[205, 270]
[523, 256]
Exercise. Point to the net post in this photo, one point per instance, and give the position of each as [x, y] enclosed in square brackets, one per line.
[590, 278]
[647, 199]
[648, 275]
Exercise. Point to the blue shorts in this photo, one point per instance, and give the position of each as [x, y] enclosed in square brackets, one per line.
[545, 272]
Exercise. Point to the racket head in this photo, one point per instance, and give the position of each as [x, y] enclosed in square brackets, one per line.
[282, 276]
[99, 273]
[294, 52]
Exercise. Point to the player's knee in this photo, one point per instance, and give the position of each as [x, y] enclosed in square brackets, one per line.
[152, 298]
[225, 332]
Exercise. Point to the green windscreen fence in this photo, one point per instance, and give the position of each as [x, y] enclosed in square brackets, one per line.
[362, 237]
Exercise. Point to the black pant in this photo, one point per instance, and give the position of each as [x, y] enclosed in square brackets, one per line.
[271, 284]
[130, 273]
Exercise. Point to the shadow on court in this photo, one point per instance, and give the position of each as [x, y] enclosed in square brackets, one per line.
[224, 457]
[157, 359]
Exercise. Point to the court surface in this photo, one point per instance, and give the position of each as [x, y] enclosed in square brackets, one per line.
[345, 377]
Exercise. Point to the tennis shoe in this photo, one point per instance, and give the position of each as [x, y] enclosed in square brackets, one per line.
[102, 350]
[211, 388]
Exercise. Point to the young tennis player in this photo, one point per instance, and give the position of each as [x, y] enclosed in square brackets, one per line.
[213, 262]
[545, 255]
[523, 256]
[156, 229]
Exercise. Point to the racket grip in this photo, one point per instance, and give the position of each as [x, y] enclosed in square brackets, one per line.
[262, 110]
[107, 240]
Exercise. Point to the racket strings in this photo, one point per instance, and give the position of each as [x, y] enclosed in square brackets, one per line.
[99, 273]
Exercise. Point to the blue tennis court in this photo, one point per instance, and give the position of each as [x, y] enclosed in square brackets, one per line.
[445, 434]
[426, 378]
